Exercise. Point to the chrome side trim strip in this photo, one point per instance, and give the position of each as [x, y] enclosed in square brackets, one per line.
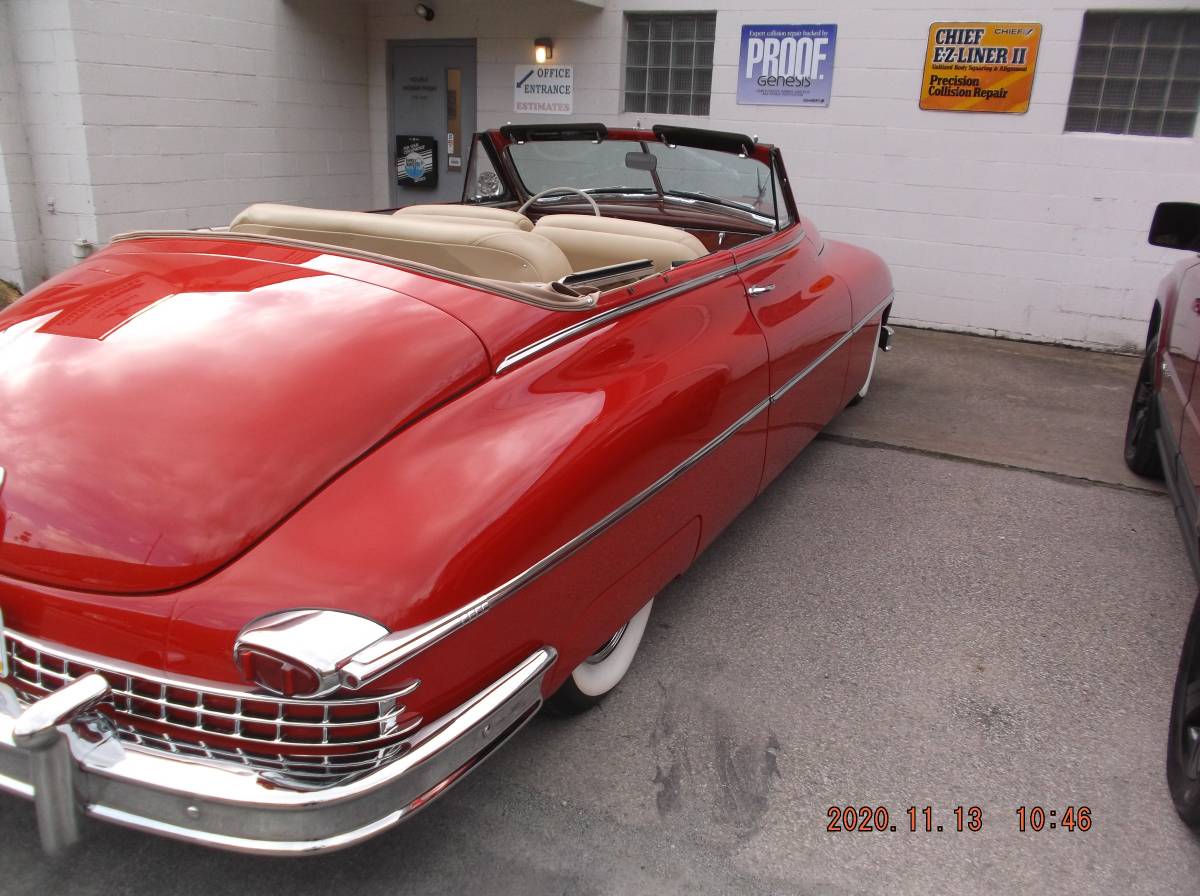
[547, 342]
[791, 384]
[610, 315]
[397, 648]
[773, 253]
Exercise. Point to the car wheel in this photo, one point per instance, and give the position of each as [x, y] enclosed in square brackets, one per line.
[601, 672]
[1183, 748]
[1141, 444]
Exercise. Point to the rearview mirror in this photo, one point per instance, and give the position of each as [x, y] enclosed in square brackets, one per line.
[641, 161]
[1176, 225]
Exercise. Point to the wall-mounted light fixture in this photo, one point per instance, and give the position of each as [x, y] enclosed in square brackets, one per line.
[543, 50]
[425, 12]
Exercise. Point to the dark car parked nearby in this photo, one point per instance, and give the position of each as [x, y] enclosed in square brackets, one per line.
[1162, 440]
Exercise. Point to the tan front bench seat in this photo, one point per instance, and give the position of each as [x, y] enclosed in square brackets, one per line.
[589, 241]
[480, 214]
[478, 250]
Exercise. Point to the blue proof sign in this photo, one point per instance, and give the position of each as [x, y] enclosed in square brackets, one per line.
[786, 65]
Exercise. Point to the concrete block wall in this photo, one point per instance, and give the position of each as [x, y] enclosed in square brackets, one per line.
[194, 110]
[21, 256]
[162, 113]
[179, 113]
[995, 224]
[44, 148]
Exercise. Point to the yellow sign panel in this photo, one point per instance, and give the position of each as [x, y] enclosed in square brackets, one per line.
[980, 66]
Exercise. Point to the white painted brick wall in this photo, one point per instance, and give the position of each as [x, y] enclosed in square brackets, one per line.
[21, 260]
[49, 104]
[198, 108]
[998, 224]
[162, 113]
[179, 113]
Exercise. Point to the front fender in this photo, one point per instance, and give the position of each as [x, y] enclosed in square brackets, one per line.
[865, 274]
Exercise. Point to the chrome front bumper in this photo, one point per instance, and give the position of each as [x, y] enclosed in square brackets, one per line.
[58, 753]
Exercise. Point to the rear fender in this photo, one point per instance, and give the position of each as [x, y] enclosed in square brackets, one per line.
[487, 487]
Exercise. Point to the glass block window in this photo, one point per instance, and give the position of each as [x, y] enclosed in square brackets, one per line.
[1137, 73]
[668, 62]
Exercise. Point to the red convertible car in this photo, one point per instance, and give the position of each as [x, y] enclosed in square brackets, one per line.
[303, 517]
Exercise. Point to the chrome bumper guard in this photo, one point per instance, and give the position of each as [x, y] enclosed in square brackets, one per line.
[61, 753]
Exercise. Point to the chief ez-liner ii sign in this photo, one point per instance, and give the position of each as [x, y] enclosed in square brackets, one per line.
[980, 66]
[544, 89]
[786, 65]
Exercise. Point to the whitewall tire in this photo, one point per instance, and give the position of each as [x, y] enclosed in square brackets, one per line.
[866, 386]
[600, 673]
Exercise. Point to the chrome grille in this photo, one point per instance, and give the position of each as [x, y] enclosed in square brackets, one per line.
[309, 743]
[307, 771]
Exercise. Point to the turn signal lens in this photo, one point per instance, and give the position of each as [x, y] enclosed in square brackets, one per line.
[300, 653]
[279, 676]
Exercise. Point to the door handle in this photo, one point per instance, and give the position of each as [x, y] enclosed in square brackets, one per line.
[1196, 306]
[759, 290]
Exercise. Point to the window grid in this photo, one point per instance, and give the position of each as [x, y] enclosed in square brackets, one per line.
[1137, 73]
[668, 62]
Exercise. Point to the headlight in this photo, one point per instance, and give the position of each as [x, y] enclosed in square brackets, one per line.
[299, 653]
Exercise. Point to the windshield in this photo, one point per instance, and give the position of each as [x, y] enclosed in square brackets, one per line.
[684, 172]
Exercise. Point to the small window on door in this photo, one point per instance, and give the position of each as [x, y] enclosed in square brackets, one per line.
[1137, 73]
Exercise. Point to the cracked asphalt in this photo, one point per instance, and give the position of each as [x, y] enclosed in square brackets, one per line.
[957, 598]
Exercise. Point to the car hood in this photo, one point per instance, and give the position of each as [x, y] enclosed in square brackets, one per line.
[160, 412]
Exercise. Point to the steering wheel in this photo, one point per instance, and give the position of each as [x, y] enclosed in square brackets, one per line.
[535, 198]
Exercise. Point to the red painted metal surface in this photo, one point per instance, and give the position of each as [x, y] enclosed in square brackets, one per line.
[244, 428]
[159, 412]
[803, 311]
[508, 473]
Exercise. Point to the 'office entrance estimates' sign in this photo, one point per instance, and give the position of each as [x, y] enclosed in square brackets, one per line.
[544, 89]
[980, 66]
[786, 65]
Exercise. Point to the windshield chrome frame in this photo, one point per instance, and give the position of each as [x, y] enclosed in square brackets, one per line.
[657, 192]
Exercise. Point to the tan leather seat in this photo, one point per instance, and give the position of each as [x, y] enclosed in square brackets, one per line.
[592, 242]
[478, 250]
[620, 226]
[480, 214]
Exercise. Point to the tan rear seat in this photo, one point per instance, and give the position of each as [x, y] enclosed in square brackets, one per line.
[592, 242]
[476, 249]
[480, 214]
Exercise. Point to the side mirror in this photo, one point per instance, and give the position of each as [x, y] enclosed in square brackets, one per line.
[641, 161]
[1176, 225]
[488, 185]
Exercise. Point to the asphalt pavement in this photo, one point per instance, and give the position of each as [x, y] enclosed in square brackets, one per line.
[956, 598]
